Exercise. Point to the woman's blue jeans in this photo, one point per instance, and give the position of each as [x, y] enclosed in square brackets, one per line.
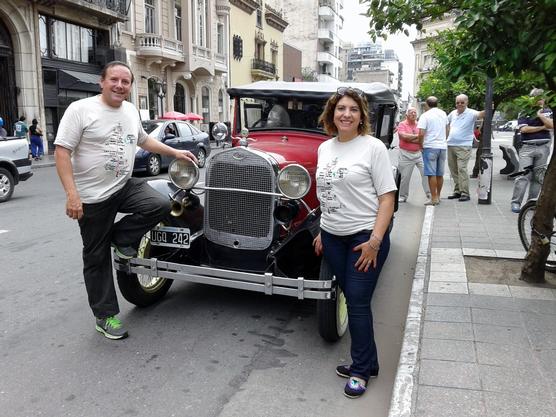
[358, 288]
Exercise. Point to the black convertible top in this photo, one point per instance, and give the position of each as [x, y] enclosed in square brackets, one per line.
[375, 92]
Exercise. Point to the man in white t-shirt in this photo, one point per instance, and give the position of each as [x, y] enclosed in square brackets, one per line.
[433, 129]
[95, 151]
[460, 141]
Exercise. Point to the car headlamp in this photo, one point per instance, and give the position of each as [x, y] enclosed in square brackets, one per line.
[294, 181]
[183, 173]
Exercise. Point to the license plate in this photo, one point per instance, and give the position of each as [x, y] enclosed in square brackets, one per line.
[174, 237]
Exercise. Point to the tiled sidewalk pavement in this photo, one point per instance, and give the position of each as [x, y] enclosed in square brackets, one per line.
[485, 349]
[475, 349]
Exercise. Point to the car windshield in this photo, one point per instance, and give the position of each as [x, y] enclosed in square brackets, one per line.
[269, 113]
[152, 127]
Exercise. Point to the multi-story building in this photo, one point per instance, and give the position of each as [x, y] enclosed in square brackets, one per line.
[314, 27]
[257, 41]
[52, 52]
[368, 62]
[178, 50]
[424, 60]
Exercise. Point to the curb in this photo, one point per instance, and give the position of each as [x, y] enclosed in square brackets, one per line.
[405, 381]
[43, 165]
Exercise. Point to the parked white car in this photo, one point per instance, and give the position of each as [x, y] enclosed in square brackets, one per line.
[15, 165]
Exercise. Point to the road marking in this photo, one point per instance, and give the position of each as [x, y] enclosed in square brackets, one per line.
[3, 231]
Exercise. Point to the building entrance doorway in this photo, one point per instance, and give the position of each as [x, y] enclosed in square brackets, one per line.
[8, 99]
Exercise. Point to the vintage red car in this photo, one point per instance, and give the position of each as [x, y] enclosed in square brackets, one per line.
[251, 224]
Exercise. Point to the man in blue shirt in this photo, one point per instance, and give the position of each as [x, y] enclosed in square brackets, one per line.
[535, 139]
[460, 141]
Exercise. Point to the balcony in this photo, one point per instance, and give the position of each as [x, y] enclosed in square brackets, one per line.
[248, 6]
[328, 58]
[262, 70]
[326, 35]
[159, 48]
[275, 18]
[220, 62]
[108, 11]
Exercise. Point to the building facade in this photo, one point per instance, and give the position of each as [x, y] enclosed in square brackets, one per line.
[424, 60]
[314, 27]
[52, 53]
[178, 50]
[368, 62]
[257, 41]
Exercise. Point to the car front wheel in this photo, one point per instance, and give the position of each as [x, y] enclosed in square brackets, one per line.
[331, 314]
[143, 290]
[6, 185]
[153, 165]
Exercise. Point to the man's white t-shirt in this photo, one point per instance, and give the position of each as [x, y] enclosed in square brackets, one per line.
[434, 122]
[461, 127]
[103, 141]
[350, 177]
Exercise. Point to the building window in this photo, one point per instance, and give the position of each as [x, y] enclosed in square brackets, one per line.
[238, 47]
[259, 18]
[177, 17]
[205, 104]
[202, 17]
[220, 105]
[128, 24]
[179, 98]
[220, 38]
[150, 17]
[64, 40]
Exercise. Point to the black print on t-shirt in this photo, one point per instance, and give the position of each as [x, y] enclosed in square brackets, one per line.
[115, 147]
[330, 172]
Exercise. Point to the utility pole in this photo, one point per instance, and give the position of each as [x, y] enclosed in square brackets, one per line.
[485, 169]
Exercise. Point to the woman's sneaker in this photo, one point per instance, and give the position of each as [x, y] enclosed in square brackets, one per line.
[355, 387]
[111, 327]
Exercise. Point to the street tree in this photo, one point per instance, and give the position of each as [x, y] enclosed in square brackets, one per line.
[494, 37]
[439, 81]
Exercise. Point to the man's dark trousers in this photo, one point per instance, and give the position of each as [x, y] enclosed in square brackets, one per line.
[145, 208]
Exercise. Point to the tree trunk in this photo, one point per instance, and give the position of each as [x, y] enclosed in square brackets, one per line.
[543, 221]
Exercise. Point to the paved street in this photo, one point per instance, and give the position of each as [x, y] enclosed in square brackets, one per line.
[202, 351]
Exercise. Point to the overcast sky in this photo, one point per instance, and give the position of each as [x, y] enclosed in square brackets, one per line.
[355, 30]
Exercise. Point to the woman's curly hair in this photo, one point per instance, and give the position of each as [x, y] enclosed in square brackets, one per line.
[327, 115]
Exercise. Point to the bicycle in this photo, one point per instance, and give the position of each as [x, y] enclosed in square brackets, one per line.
[525, 219]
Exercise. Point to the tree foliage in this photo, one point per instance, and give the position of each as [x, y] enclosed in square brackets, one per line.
[441, 83]
[493, 37]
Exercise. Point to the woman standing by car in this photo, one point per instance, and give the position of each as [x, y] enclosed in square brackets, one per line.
[356, 190]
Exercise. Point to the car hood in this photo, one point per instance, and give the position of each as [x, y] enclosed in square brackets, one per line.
[289, 147]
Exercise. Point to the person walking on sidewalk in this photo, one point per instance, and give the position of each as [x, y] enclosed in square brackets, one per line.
[460, 142]
[36, 140]
[433, 129]
[95, 150]
[3, 132]
[356, 190]
[536, 138]
[410, 155]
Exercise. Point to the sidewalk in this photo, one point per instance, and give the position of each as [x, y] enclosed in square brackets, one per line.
[475, 349]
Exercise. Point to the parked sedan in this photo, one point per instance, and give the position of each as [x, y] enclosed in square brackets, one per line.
[177, 134]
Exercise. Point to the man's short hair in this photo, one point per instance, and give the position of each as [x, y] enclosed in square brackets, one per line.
[432, 101]
[410, 108]
[462, 96]
[115, 64]
[536, 92]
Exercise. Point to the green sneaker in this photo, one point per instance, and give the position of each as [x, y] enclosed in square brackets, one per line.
[112, 328]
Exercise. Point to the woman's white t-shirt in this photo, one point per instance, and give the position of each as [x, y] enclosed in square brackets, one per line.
[350, 177]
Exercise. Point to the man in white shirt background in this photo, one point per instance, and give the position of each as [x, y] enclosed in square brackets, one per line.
[433, 129]
[460, 141]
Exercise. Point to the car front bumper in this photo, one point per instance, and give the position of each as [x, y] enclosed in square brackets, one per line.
[267, 283]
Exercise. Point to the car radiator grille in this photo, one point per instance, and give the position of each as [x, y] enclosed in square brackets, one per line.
[238, 219]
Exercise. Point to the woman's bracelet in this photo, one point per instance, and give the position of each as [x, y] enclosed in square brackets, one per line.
[379, 240]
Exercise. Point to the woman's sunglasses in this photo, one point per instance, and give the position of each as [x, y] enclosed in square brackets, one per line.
[342, 91]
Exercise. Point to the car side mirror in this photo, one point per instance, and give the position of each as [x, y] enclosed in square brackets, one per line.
[169, 137]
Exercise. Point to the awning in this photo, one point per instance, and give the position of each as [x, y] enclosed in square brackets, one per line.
[75, 80]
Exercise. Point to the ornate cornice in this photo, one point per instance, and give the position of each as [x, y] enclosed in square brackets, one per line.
[248, 6]
[274, 18]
